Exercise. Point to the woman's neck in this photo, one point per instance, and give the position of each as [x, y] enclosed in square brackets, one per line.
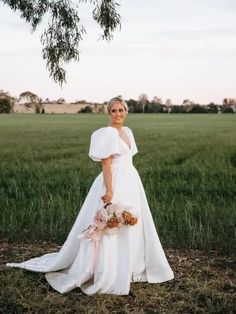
[117, 126]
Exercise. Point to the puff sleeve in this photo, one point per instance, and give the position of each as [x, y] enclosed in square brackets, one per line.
[104, 143]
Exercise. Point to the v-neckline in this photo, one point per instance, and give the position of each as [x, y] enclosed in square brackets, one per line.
[129, 147]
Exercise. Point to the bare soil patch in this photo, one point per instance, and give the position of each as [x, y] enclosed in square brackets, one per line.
[204, 283]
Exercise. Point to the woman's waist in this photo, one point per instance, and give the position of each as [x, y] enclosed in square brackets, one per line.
[122, 163]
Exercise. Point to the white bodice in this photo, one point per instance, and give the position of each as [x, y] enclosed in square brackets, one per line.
[106, 142]
[125, 158]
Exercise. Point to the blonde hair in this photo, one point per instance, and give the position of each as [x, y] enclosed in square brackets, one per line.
[117, 99]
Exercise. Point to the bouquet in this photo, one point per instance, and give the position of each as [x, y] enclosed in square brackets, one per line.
[108, 220]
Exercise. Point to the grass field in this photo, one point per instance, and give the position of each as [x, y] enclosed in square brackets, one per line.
[188, 167]
[187, 164]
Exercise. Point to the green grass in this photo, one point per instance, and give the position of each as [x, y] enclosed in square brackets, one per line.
[187, 164]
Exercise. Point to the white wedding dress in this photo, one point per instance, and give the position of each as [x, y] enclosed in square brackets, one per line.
[132, 254]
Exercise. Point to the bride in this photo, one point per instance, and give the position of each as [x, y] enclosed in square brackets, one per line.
[133, 253]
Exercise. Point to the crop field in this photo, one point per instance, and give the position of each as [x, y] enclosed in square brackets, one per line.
[187, 164]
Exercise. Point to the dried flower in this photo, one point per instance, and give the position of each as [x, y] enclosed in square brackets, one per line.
[108, 220]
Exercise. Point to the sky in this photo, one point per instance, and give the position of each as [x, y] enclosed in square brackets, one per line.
[177, 49]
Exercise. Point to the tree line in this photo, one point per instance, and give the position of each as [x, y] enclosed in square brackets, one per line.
[142, 105]
[154, 107]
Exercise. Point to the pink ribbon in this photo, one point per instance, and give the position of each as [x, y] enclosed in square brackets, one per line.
[95, 254]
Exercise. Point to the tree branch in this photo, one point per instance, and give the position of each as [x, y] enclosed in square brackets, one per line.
[60, 40]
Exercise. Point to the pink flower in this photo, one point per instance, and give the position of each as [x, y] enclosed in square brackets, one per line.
[108, 220]
[102, 214]
[111, 231]
[92, 233]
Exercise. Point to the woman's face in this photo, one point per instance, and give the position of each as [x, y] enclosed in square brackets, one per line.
[117, 113]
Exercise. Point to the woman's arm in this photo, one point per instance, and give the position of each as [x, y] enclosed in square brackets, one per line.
[107, 175]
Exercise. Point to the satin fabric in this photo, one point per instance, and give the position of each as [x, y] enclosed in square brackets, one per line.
[133, 254]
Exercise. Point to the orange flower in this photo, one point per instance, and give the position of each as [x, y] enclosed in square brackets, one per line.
[113, 223]
[128, 218]
[108, 220]
[133, 221]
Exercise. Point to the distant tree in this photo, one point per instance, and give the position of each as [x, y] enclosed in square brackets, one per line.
[168, 105]
[229, 101]
[31, 101]
[148, 108]
[6, 102]
[61, 101]
[28, 98]
[225, 101]
[153, 108]
[139, 108]
[60, 40]
[102, 109]
[43, 111]
[143, 97]
[212, 108]
[168, 102]
[80, 101]
[198, 109]
[86, 109]
[5, 105]
[178, 109]
[159, 108]
[132, 104]
[157, 100]
[188, 105]
[37, 109]
[4, 95]
[227, 110]
[143, 100]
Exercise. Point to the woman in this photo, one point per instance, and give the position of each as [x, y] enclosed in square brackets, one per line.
[133, 253]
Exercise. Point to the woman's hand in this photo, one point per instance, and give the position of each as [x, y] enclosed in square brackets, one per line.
[107, 197]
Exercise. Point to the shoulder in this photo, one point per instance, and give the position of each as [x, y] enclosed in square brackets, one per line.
[105, 134]
[104, 143]
[128, 130]
[104, 131]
